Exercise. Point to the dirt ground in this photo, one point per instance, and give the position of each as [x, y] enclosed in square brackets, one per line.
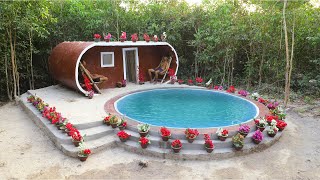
[28, 153]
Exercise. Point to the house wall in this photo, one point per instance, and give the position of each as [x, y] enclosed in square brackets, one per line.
[149, 57]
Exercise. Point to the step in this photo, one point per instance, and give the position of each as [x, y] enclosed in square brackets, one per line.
[91, 124]
[103, 143]
[96, 132]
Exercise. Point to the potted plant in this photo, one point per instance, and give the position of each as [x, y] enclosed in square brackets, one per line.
[190, 82]
[76, 138]
[83, 152]
[255, 96]
[165, 133]
[163, 37]
[191, 134]
[270, 118]
[176, 145]
[122, 124]
[69, 127]
[231, 89]
[119, 84]
[107, 37]
[113, 121]
[123, 36]
[134, 37]
[123, 136]
[208, 144]
[218, 87]
[143, 129]
[180, 81]
[272, 130]
[260, 124]
[222, 134]
[173, 77]
[238, 141]
[106, 120]
[281, 125]
[31, 98]
[124, 83]
[257, 137]
[262, 101]
[146, 37]
[141, 77]
[244, 130]
[144, 142]
[155, 38]
[273, 105]
[243, 93]
[199, 81]
[96, 37]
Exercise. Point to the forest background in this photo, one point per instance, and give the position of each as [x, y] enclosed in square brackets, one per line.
[263, 46]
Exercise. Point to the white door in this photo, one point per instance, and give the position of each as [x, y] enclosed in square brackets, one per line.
[130, 64]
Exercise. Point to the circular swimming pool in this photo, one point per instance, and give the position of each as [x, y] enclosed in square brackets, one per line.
[184, 108]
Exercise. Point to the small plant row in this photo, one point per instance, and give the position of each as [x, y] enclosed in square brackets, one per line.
[62, 124]
[134, 37]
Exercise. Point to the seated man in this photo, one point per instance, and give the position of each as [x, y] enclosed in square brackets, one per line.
[161, 69]
[95, 77]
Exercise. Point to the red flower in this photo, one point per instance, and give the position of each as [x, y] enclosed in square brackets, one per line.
[146, 37]
[180, 81]
[171, 72]
[76, 136]
[134, 37]
[261, 100]
[176, 143]
[270, 118]
[123, 35]
[209, 144]
[281, 124]
[191, 133]
[216, 87]
[199, 80]
[206, 136]
[123, 135]
[144, 140]
[165, 132]
[87, 151]
[69, 126]
[225, 132]
[231, 89]
[190, 81]
[97, 36]
[87, 82]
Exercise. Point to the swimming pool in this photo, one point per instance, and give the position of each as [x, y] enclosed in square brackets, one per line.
[183, 108]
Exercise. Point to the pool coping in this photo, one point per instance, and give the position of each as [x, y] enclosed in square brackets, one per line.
[109, 107]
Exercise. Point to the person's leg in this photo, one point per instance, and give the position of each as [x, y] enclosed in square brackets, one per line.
[150, 71]
[156, 75]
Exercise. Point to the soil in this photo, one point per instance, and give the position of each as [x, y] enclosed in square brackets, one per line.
[28, 153]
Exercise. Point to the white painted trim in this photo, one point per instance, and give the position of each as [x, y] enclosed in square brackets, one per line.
[126, 43]
[124, 60]
[107, 65]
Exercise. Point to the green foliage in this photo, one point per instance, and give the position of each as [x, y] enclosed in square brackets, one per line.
[223, 40]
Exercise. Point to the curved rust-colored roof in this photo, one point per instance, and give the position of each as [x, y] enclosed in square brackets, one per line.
[65, 57]
[63, 62]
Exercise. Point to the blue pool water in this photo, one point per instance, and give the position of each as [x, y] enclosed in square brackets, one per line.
[184, 108]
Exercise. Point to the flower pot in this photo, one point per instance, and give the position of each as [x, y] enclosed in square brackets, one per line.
[209, 150]
[107, 40]
[63, 128]
[144, 146]
[121, 128]
[280, 128]
[122, 40]
[260, 128]
[238, 148]
[134, 40]
[165, 138]
[271, 135]
[82, 157]
[190, 140]
[76, 143]
[96, 39]
[256, 141]
[113, 125]
[180, 83]
[123, 139]
[107, 123]
[222, 138]
[141, 82]
[143, 134]
[148, 40]
[59, 127]
[176, 150]
[199, 84]
[243, 134]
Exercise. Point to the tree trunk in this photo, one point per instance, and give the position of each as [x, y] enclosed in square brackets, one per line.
[12, 53]
[287, 82]
[261, 65]
[31, 66]
[9, 92]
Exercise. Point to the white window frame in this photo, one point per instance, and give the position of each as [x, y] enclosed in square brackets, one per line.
[107, 65]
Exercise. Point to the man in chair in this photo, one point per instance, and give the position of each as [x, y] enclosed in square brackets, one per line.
[161, 69]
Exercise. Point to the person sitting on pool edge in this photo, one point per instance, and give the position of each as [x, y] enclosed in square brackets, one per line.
[160, 69]
[95, 77]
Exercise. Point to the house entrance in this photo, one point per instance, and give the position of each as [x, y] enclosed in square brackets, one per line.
[130, 64]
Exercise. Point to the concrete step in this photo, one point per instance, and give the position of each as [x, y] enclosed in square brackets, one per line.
[96, 132]
[81, 126]
[95, 146]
